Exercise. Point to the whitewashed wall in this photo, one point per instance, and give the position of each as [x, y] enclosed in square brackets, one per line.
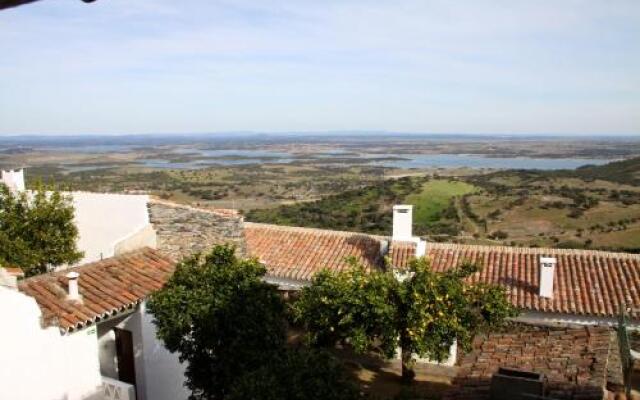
[145, 237]
[449, 361]
[42, 364]
[159, 374]
[163, 373]
[107, 346]
[105, 220]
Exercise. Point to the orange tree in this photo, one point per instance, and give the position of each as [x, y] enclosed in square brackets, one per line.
[418, 310]
[37, 230]
[228, 326]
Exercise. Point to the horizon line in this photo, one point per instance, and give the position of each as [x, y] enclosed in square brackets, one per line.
[322, 133]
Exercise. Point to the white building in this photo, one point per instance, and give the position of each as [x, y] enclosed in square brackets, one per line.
[108, 224]
[83, 333]
[111, 224]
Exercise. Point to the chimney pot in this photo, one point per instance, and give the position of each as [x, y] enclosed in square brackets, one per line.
[547, 274]
[73, 293]
[402, 222]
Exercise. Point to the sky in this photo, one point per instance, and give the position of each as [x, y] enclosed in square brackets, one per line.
[193, 66]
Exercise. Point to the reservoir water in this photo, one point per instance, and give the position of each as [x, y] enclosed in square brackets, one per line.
[207, 158]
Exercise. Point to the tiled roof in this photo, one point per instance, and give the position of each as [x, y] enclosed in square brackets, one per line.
[574, 360]
[400, 253]
[593, 283]
[587, 283]
[106, 287]
[298, 253]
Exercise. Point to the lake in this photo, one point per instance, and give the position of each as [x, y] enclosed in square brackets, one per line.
[208, 158]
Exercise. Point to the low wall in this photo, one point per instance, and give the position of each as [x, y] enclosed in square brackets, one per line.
[183, 230]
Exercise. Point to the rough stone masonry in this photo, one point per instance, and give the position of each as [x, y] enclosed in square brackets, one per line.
[183, 230]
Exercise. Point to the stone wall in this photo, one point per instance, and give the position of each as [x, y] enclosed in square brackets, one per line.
[183, 230]
[573, 359]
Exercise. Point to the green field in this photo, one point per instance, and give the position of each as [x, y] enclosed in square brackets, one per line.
[369, 209]
[434, 199]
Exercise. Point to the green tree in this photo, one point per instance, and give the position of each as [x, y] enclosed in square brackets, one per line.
[229, 326]
[297, 375]
[37, 230]
[221, 318]
[418, 310]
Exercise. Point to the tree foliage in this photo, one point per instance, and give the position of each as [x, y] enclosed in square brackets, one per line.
[37, 230]
[229, 327]
[297, 375]
[221, 318]
[420, 311]
[360, 210]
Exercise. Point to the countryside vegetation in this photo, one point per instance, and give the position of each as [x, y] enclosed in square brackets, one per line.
[243, 187]
[591, 207]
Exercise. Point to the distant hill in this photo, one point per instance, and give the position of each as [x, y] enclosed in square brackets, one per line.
[625, 171]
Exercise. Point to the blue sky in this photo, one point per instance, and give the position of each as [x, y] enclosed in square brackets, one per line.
[156, 66]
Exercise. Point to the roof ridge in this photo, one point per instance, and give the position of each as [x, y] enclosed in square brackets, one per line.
[532, 250]
[146, 250]
[317, 230]
[403, 242]
[448, 245]
[219, 212]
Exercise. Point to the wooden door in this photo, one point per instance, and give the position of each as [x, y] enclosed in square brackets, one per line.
[124, 351]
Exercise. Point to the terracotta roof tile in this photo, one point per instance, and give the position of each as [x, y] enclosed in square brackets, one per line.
[298, 253]
[106, 288]
[594, 283]
[589, 283]
[400, 253]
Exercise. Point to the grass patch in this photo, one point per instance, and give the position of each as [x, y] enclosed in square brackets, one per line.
[434, 199]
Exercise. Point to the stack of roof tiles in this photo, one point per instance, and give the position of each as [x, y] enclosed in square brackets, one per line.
[107, 288]
[574, 360]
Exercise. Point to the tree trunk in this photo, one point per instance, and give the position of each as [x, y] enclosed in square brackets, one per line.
[407, 366]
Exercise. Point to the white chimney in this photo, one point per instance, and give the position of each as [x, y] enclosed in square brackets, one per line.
[13, 179]
[547, 272]
[73, 294]
[402, 222]
[7, 279]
